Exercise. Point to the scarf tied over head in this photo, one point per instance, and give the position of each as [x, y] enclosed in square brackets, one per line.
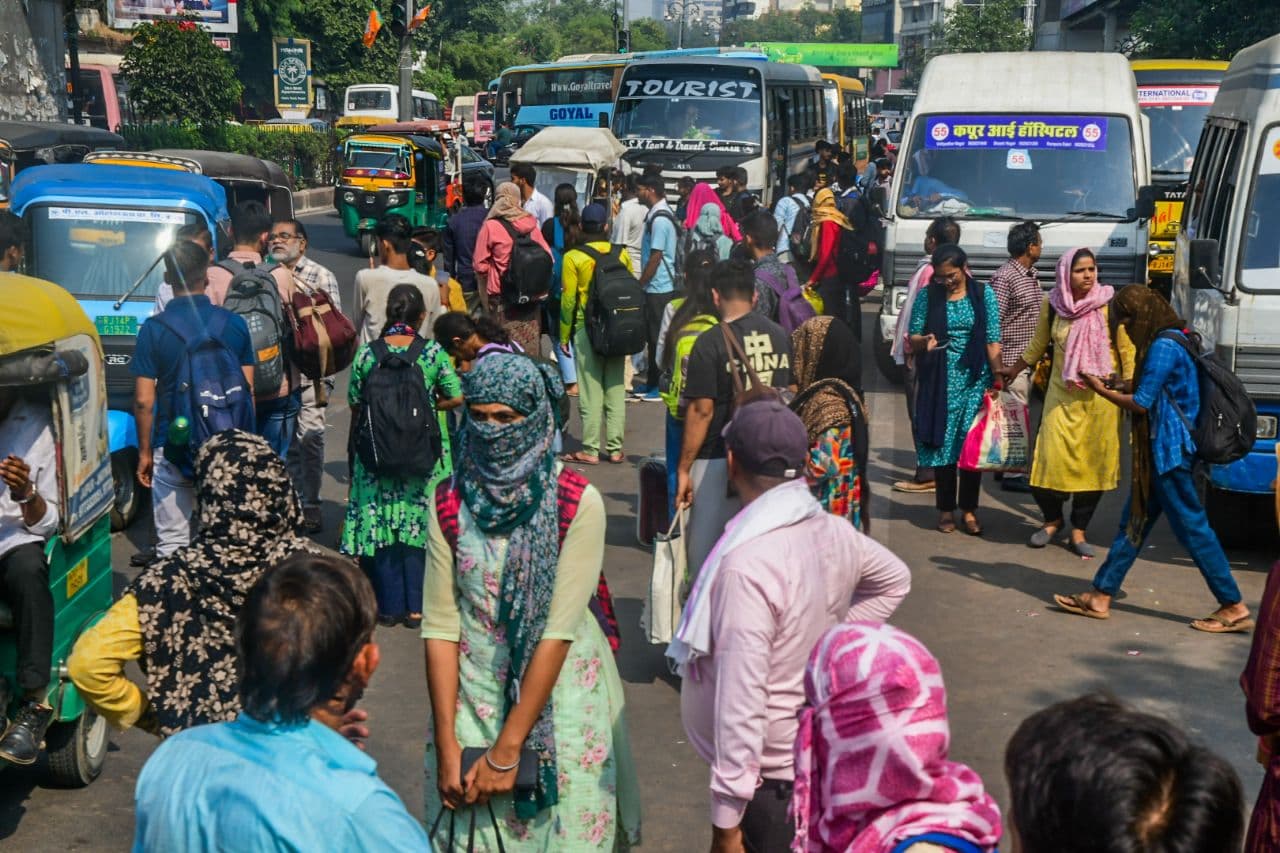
[1089, 341]
[824, 209]
[871, 766]
[506, 476]
[932, 403]
[247, 521]
[507, 203]
[700, 197]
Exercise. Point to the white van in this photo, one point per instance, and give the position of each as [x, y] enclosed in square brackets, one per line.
[1226, 274]
[464, 110]
[996, 138]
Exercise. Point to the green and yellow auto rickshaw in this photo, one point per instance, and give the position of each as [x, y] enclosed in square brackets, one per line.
[396, 171]
[49, 352]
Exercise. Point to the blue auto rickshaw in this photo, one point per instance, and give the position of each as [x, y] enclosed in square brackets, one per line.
[100, 231]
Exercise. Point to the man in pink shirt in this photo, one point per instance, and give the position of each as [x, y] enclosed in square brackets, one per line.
[277, 412]
[783, 573]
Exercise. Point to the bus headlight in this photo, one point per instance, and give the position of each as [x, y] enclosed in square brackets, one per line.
[1153, 249]
[899, 299]
[349, 197]
[1266, 426]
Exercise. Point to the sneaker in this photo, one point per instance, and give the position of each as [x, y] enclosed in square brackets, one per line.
[24, 738]
[914, 487]
[311, 519]
[641, 391]
[652, 397]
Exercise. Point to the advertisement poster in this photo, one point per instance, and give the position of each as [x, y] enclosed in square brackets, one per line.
[216, 16]
[1080, 133]
[830, 54]
[292, 73]
[82, 433]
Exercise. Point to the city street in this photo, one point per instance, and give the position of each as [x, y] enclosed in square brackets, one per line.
[981, 605]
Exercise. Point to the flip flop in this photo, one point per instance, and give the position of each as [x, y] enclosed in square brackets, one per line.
[1077, 605]
[946, 527]
[580, 458]
[1243, 625]
[617, 458]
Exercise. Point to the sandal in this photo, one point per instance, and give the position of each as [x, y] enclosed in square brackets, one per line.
[1215, 624]
[971, 526]
[580, 458]
[1077, 605]
[617, 458]
[947, 525]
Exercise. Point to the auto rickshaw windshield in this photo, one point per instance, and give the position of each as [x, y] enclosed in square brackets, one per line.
[97, 252]
[377, 157]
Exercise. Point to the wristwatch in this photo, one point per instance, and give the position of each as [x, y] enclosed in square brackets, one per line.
[31, 495]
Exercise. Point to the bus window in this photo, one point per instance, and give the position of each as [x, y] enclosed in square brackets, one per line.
[368, 99]
[94, 108]
[1260, 255]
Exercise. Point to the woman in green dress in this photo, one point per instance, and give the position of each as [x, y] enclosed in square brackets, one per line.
[386, 522]
[955, 339]
[516, 662]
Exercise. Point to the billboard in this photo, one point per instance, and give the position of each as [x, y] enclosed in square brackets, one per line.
[292, 73]
[217, 16]
[830, 54]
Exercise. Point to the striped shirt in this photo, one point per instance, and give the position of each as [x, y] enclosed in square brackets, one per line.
[1018, 296]
[315, 277]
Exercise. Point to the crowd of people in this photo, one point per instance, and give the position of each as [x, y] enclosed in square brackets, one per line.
[470, 522]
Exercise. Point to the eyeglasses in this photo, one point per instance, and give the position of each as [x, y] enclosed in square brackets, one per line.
[285, 236]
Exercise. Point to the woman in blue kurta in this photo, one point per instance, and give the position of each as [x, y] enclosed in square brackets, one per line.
[955, 337]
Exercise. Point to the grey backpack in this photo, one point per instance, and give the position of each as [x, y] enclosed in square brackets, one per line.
[254, 296]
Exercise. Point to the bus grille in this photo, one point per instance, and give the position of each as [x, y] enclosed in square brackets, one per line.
[1259, 370]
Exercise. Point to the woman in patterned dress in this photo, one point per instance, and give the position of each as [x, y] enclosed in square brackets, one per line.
[826, 365]
[515, 659]
[386, 523]
[955, 336]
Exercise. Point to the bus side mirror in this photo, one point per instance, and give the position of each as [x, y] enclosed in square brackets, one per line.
[1146, 208]
[1203, 258]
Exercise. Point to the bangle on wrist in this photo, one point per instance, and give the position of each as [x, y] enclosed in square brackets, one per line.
[32, 494]
[488, 759]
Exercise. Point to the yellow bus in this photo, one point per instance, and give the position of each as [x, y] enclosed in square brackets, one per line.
[847, 121]
[1175, 95]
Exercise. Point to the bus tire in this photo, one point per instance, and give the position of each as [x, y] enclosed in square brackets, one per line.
[128, 491]
[889, 368]
[77, 750]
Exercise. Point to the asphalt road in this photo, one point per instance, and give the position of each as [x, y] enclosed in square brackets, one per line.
[979, 604]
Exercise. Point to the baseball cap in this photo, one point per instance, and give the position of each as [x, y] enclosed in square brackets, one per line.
[769, 439]
[595, 214]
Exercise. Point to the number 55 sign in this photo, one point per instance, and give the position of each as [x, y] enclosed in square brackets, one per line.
[292, 73]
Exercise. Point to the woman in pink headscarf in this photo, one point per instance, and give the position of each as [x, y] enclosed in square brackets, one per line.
[872, 774]
[706, 194]
[1077, 455]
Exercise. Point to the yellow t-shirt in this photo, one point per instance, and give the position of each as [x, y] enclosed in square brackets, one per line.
[579, 269]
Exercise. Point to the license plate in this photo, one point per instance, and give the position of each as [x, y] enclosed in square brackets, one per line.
[116, 324]
[77, 577]
[1160, 263]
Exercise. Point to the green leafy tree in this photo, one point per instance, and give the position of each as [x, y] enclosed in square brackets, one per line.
[1199, 29]
[995, 25]
[804, 25]
[648, 34]
[174, 71]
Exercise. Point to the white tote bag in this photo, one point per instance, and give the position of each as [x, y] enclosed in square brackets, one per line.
[661, 613]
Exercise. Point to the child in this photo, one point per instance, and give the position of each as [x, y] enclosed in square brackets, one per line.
[428, 244]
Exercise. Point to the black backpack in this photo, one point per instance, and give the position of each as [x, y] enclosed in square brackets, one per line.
[800, 238]
[398, 432]
[528, 275]
[614, 314]
[1227, 426]
[859, 252]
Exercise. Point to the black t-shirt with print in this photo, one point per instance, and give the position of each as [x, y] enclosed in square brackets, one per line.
[765, 344]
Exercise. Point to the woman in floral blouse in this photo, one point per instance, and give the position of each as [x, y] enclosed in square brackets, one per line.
[386, 523]
[827, 366]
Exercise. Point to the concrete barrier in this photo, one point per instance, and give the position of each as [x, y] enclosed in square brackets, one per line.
[312, 201]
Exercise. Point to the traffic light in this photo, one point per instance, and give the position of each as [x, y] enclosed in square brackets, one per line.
[400, 15]
[624, 41]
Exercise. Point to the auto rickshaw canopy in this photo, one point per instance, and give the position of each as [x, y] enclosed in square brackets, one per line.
[131, 187]
[36, 314]
[37, 135]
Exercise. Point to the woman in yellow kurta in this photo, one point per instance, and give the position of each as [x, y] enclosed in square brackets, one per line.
[1077, 456]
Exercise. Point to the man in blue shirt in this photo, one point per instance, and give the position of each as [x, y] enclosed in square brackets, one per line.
[460, 237]
[1165, 403]
[785, 213]
[657, 275]
[155, 366]
[284, 775]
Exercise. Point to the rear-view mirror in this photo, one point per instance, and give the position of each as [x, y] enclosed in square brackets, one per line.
[1203, 260]
[1146, 207]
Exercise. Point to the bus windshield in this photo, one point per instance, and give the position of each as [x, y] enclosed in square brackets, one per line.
[368, 99]
[98, 252]
[1177, 115]
[1019, 167]
[484, 107]
[1260, 242]
[706, 104]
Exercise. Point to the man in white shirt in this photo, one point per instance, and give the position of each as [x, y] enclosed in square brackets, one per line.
[28, 469]
[628, 226]
[373, 286]
[523, 175]
[306, 453]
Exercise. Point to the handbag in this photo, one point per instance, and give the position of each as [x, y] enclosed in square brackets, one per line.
[998, 438]
[812, 297]
[526, 780]
[661, 612]
[324, 339]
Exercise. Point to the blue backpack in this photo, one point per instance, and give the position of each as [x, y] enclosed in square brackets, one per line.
[210, 391]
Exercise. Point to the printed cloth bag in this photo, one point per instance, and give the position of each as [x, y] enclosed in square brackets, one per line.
[661, 613]
[999, 437]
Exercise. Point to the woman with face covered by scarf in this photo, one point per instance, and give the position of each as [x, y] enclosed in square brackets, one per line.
[1167, 392]
[1077, 455]
[177, 618]
[875, 700]
[828, 372]
[515, 658]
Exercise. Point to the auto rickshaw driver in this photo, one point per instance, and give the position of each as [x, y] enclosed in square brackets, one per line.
[28, 470]
[13, 240]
